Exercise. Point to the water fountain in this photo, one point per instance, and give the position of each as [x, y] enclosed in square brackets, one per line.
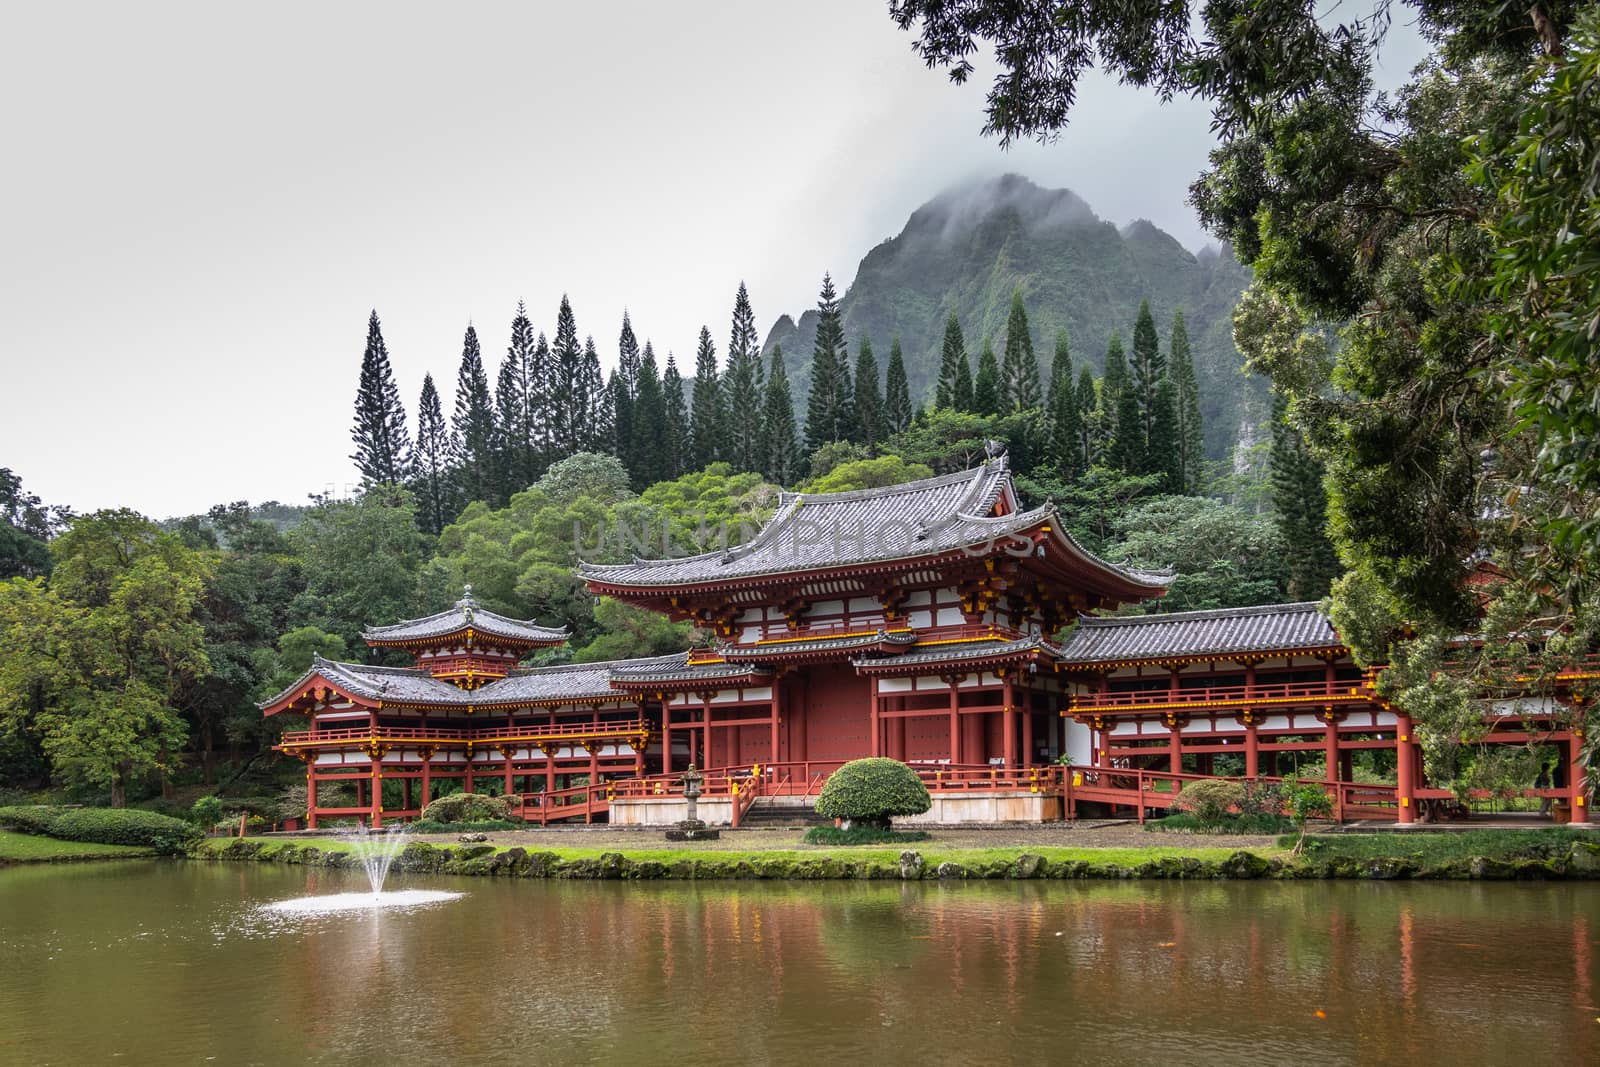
[376, 850]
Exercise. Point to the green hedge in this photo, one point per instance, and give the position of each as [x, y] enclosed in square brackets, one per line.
[433, 826]
[30, 818]
[862, 835]
[105, 826]
[873, 790]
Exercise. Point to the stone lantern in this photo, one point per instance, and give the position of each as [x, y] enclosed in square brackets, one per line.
[691, 828]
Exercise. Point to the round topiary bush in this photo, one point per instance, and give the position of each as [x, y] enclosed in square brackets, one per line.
[872, 791]
[1211, 801]
[466, 807]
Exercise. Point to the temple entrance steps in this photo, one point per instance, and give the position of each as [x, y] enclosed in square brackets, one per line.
[767, 813]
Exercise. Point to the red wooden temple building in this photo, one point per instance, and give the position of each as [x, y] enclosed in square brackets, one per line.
[912, 621]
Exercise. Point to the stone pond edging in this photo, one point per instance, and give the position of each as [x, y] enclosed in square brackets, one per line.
[1580, 862]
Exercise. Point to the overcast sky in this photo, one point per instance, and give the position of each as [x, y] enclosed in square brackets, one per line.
[202, 201]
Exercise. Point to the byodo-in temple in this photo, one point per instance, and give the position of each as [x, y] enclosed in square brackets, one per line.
[915, 622]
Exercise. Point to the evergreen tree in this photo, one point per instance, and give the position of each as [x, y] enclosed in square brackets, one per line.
[615, 398]
[1019, 376]
[510, 407]
[1149, 367]
[869, 398]
[674, 423]
[897, 392]
[649, 425]
[1161, 451]
[472, 439]
[1121, 421]
[537, 375]
[594, 408]
[383, 444]
[780, 445]
[624, 397]
[1191, 429]
[517, 405]
[1089, 429]
[430, 462]
[986, 390]
[954, 390]
[566, 383]
[708, 421]
[742, 387]
[830, 409]
[1066, 429]
[1300, 506]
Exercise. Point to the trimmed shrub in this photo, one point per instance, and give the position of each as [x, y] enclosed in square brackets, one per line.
[862, 835]
[30, 818]
[466, 807]
[1210, 801]
[872, 791]
[123, 826]
[430, 826]
[207, 812]
[1185, 823]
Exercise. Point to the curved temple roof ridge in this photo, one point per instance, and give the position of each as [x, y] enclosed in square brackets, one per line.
[1190, 634]
[466, 613]
[817, 531]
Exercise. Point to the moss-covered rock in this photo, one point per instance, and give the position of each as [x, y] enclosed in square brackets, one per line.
[1243, 864]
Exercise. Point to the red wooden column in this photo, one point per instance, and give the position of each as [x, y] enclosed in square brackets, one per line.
[376, 807]
[1252, 746]
[1008, 724]
[506, 752]
[666, 735]
[1175, 744]
[1577, 779]
[1027, 728]
[876, 723]
[1405, 769]
[955, 719]
[311, 792]
[549, 771]
[705, 718]
[1330, 745]
[776, 754]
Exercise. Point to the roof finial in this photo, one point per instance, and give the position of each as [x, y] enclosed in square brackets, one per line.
[466, 593]
[993, 449]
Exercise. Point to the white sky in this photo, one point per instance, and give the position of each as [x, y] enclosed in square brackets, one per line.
[201, 202]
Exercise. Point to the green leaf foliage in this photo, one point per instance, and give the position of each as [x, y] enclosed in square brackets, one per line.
[873, 791]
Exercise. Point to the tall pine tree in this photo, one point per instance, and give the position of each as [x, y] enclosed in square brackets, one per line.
[742, 387]
[896, 392]
[1300, 507]
[567, 403]
[1191, 429]
[1089, 426]
[1161, 450]
[430, 462]
[987, 396]
[1066, 430]
[869, 398]
[625, 396]
[1148, 367]
[594, 403]
[519, 434]
[649, 425]
[472, 424]
[383, 443]
[830, 408]
[1120, 417]
[954, 390]
[674, 423]
[780, 447]
[1019, 375]
[708, 419]
[537, 376]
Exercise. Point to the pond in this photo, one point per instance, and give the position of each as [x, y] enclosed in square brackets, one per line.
[182, 962]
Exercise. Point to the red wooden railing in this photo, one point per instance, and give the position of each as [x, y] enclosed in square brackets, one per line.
[1145, 789]
[1310, 692]
[579, 800]
[485, 735]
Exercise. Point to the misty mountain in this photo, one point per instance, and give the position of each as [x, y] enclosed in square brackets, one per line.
[968, 249]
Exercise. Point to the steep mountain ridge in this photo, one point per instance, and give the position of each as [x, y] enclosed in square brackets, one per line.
[966, 250]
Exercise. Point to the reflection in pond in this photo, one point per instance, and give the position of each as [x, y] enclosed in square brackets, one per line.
[181, 962]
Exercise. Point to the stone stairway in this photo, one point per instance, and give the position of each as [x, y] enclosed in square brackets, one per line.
[766, 815]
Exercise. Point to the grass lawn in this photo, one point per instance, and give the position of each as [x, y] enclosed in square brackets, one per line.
[27, 848]
[1439, 847]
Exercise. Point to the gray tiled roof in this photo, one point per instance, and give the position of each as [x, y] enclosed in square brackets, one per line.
[812, 531]
[819, 644]
[1196, 633]
[465, 613]
[677, 668]
[529, 685]
[957, 653]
